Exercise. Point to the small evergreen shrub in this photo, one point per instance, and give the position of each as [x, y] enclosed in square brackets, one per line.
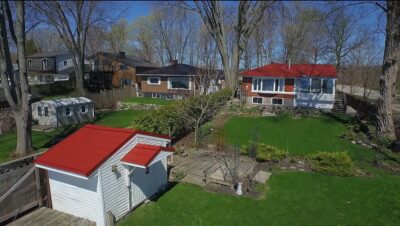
[332, 163]
[267, 152]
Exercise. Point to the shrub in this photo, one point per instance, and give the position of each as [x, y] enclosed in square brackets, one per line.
[267, 152]
[332, 163]
[168, 119]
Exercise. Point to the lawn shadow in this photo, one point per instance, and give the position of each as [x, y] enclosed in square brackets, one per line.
[342, 118]
[159, 194]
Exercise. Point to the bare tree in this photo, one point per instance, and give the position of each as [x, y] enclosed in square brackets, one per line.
[249, 15]
[16, 88]
[72, 20]
[119, 36]
[390, 71]
[206, 79]
[144, 38]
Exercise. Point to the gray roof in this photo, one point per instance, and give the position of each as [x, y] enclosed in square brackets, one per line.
[175, 70]
[129, 60]
[48, 54]
[67, 101]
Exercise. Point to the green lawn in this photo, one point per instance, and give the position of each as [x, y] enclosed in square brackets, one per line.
[118, 118]
[299, 136]
[148, 100]
[292, 199]
[8, 141]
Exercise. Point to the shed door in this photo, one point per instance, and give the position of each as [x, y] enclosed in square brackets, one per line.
[144, 185]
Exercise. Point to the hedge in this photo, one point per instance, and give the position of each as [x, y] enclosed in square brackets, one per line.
[168, 119]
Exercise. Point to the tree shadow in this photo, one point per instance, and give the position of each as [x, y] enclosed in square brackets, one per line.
[342, 118]
[66, 131]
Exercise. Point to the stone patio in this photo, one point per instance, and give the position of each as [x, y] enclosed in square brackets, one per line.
[207, 167]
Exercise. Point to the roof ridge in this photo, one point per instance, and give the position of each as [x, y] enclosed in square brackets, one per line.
[107, 128]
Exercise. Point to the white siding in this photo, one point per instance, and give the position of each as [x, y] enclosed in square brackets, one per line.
[76, 196]
[143, 185]
[114, 186]
[310, 100]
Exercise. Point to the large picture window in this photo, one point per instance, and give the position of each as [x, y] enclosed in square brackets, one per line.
[179, 83]
[268, 85]
[327, 86]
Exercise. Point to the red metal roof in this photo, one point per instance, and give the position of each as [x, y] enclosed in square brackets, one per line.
[143, 154]
[86, 149]
[295, 71]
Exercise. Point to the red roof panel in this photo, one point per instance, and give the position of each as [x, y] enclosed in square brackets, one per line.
[295, 71]
[86, 149]
[143, 154]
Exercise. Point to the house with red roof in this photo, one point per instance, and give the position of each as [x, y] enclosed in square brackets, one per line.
[99, 171]
[294, 85]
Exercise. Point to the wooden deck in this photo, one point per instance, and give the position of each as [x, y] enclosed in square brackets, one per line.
[204, 168]
[49, 217]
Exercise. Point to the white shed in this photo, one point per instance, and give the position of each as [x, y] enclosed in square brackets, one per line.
[100, 169]
[62, 112]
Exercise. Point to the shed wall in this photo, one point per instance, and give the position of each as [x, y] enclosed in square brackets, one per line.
[76, 196]
[115, 184]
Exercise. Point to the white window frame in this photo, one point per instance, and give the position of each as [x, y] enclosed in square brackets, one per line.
[310, 84]
[156, 95]
[70, 111]
[170, 86]
[29, 62]
[150, 77]
[65, 63]
[262, 100]
[281, 80]
[283, 101]
[86, 109]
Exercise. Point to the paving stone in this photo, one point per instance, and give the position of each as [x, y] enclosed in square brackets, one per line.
[262, 176]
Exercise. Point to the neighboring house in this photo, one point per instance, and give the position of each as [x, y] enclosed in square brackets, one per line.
[170, 82]
[63, 112]
[297, 85]
[98, 171]
[109, 70]
[49, 67]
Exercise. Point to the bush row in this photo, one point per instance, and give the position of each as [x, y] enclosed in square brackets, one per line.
[176, 119]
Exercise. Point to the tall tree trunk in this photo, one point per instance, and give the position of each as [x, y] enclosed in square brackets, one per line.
[390, 70]
[16, 89]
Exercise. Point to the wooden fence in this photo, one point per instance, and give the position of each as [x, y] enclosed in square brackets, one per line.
[22, 187]
[109, 98]
[7, 122]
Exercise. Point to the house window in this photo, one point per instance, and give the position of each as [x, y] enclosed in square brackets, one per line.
[65, 63]
[327, 86]
[84, 109]
[179, 83]
[267, 85]
[277, 101]
[155, 95]
[315, 85]
[46, 111]
[29, 62]
[257, 100]
[154, 81]
[67, 111]
[39, 109]
[123, 67]
[44, 64]
[304, 86]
